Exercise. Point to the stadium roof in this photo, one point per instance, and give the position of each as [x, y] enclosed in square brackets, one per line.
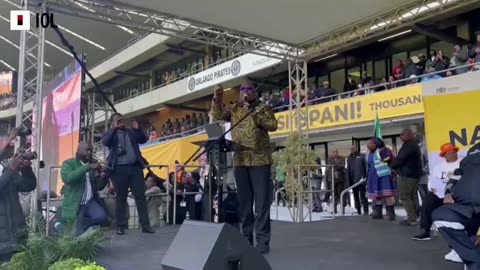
[292, 22]
[97, 40]
[295, 24]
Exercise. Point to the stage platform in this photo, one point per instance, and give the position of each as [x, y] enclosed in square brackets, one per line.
[355, 243]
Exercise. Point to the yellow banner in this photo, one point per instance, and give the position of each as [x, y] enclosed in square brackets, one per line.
[453, 118]
[402, 101]
[166, 153]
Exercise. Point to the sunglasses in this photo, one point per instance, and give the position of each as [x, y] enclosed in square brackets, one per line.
[246, 88]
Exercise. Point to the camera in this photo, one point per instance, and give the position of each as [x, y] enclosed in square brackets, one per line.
[24, 132]
[121, 150]
[29, 156]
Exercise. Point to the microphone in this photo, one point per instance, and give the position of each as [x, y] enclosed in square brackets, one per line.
[253, 105]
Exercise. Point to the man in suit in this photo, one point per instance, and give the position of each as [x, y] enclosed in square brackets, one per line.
[356, 170]
[126, 165]
[82, 178]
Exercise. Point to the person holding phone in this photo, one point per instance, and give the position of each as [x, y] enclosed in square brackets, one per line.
[17, 176]
[126, 164]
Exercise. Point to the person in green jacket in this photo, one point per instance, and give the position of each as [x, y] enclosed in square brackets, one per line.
[82, 177]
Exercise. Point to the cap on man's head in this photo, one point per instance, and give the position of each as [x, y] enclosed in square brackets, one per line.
[447, 147]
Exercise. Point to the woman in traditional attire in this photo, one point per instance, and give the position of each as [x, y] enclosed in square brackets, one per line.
[381, 184]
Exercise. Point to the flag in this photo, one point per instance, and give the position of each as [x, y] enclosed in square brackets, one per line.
[377, 132]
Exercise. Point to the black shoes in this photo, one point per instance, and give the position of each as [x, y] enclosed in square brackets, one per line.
[147, 229]
[120, 231]
[378, 212]
[391, 213]
[423, 236]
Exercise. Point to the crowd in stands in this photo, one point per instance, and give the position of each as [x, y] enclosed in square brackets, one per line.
[411, 70]
[7, 101]
[179, 126]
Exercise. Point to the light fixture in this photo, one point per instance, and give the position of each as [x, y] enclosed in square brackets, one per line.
[326, 57]
[396, 35]
[227, 89]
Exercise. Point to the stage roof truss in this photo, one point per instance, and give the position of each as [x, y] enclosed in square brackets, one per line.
[123, 14]
[130, 16]
[393, 20]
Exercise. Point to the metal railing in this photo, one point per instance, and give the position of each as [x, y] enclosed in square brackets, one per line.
[300, 200]
[49, 199]
[195, 131]
[179, 78]
[49, 185]
[342, 202]
[371, 89]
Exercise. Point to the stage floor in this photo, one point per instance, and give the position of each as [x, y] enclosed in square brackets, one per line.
[345, 243]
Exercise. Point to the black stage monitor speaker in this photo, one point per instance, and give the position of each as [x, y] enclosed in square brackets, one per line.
[212, 246]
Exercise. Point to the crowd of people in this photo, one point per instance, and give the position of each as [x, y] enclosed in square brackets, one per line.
[184, 126]
[7, 101]
[446, 197]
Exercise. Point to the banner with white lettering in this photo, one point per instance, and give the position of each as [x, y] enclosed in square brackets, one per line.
[237, 67]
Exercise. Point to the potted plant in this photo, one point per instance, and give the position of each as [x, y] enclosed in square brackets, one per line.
[296, 159]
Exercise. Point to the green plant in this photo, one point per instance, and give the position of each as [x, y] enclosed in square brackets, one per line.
[91, 267]
[75, 264]
[72, 263]
[41, 251]
[296, 159]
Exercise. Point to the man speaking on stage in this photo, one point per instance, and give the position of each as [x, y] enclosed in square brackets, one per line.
[252, 168]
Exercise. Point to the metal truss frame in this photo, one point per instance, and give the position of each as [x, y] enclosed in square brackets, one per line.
[298, 116]
[373, 27]
[30, 84]
[118, 13]
[96, 112]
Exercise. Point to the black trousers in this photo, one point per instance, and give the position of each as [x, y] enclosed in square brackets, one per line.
[360, 198]
[460, 240]
[255, 186]
[429, 204]
[125, 177]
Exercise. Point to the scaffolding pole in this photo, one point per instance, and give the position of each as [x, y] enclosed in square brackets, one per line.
[30, 83]
[100, 115]
[298, 120]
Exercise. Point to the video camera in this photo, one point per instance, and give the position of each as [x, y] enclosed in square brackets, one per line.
[24, 132]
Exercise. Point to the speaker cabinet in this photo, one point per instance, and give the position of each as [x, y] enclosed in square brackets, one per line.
[212, 246]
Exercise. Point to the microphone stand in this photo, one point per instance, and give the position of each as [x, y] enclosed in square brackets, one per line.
[195, 157]
[216, 156]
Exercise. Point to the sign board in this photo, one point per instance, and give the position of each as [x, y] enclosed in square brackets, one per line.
[398, 102]
[229, 70]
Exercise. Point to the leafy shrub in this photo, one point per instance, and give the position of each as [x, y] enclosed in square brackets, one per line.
[91, 267]
[68, 264]
[42, 251]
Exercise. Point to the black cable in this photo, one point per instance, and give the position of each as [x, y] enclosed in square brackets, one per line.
[84, 68]
[194, 157]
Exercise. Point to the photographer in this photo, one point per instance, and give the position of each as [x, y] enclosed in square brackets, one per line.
[126, 166]
[83, 177]
[17, 176]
